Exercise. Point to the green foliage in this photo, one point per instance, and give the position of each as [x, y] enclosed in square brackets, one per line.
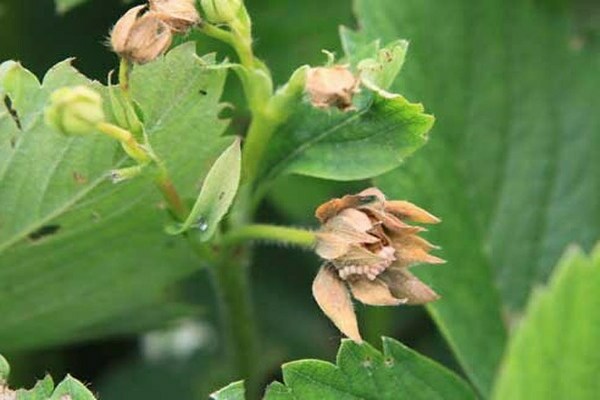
[70, 388]
[65, 5]
[60, 214]
[509, 168]
[218, 191]
[375, 138]
[42, 390]
[233, 391]
[363, 373]
[553, 353]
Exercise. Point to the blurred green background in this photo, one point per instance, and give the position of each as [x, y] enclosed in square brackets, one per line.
[188, 362]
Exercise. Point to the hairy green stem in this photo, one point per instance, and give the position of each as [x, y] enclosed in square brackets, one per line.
[242, 46]
[260, 132]
[124, 72]
[237, 313]
[280, 234]
[176, 205]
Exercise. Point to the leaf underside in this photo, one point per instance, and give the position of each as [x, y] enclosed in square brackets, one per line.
[510, 166]
[73, 246]
[554, 351]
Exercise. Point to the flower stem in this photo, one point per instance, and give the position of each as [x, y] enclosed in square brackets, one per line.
[280, 234]
[128, 141]
[260, 132]
[170, 194]
[124, 72]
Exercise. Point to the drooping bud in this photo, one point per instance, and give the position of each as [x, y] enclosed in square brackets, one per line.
[368, 249]
[221, 11]
[140, 36]
[180, 15]
[74, 110]
[331, 87]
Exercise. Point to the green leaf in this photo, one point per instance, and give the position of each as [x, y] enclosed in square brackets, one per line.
[41, 391]
[375, 138]
[73, 388]
[233, 391]
[217, 194]
[510, 168]
[554, 351]
[63, 6]
[73, 246]
[362, 372]
[4, 369]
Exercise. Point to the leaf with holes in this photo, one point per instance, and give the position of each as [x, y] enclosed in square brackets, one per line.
[362, 372]
[73, 246]
[511, 166]
[554, 351]
[374, 138]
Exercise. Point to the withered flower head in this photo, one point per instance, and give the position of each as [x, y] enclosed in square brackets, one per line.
[180, 15]
[141, 36]
[6, 393]
[368, 247]
[331, 87]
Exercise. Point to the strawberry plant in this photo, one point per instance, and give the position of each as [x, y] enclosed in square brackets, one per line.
[242, 216]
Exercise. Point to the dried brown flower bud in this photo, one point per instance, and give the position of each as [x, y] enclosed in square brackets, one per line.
[180, 15]
[7, 394]
[141, 36]
[368, 247]
[331, 87]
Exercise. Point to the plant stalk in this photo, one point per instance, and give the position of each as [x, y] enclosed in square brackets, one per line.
[231, 276]
[280, 234]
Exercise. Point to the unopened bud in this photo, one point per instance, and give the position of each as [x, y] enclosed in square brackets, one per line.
[221, 11]
[331, 87]
[4, 370]
[180, 15]
[141, 37]
[74, 110]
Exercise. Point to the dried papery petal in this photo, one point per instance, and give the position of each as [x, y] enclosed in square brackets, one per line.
[331, 87]
[333, 245]
[120, 32]
[407, 210]
[350, 220]
[390, 222]
[149, 39]
[333, 207]
[343, 230]
[404, 285]
[180, 15]
[141, 38]
[7, 394]
[412, 250]
[360, 256]
[333, 298]
[373, 293]
[373, 191]
[401, 242]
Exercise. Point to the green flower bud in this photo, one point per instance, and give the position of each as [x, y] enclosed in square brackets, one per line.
[221, 11]
[74, 110]
[4, 369]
